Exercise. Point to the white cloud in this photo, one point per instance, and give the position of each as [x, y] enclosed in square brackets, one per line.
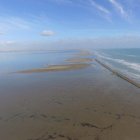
[106, 13]
[47, 33]
[88, 4]
[119, 7]
[100, 7]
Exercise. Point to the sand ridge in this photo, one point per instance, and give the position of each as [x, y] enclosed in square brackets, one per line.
[79, 60]
[52, 68]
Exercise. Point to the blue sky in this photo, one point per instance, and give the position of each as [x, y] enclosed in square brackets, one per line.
[55, 20]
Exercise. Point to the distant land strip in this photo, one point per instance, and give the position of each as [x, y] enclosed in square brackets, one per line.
[118, 74]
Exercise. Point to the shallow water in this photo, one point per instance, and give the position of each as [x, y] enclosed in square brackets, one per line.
[14, 61]
[125, 60]
[84, 104]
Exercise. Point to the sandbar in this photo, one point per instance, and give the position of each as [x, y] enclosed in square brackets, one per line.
[84, 53]
[79, 60]
[52, 68]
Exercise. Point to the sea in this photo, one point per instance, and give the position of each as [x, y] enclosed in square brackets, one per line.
[126, 61]
[12, 61]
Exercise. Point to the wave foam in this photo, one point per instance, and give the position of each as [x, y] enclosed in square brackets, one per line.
[134, 66]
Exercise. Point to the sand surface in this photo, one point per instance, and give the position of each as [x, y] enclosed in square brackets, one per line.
[85, 104]
[52, 68]
[84, 53]
[79, 60]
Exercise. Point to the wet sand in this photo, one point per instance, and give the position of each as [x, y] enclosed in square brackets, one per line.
[83, 104]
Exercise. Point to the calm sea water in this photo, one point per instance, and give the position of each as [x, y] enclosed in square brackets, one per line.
[126, 61]
[15, 61]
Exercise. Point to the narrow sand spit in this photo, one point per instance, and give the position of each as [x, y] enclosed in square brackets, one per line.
[79, 60]
[52, 68]
[84, 53]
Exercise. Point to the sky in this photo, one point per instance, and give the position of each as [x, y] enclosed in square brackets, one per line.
[92, 22]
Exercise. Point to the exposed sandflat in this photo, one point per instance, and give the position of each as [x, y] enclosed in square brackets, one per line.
[56, 68]
[84, 53]
[79, 60]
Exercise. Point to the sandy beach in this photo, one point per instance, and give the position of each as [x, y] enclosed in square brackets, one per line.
[87, 102]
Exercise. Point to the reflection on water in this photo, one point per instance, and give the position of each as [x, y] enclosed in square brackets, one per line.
[14, 61]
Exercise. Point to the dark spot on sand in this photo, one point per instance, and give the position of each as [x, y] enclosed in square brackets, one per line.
[67, 119]
[54, 117]
[95, 110]
[95, 126]
[51, 137]
[89, 125]
[59, 103]
[43, 115]
[118, 116]
[60, 135]
[32, 116]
